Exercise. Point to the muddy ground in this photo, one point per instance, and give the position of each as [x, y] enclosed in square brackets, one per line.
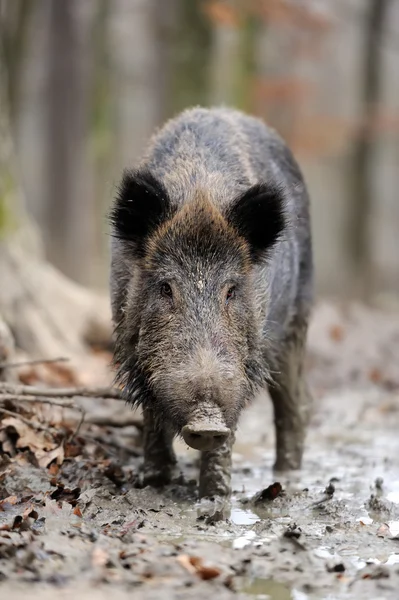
[83, 530]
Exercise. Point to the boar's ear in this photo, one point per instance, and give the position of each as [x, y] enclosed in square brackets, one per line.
[259, 217]
[141, 205]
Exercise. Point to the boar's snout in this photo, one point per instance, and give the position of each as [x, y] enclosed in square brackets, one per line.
[205, 436]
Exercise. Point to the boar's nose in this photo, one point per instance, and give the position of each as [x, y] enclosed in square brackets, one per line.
[205, 437]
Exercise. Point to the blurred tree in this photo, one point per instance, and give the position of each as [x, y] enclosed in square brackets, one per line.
[363, 188]
[191, 55]
[46, 313]
[69, 206]
[139, 58]
[15, 18]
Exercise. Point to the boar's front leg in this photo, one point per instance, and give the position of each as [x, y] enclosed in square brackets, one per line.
[159, 457]
[291, 399]
[215, 470]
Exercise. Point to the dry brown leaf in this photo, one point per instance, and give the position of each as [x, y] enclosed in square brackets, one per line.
[77, 512]
[45, 458]
[208, 572]
[30, 512]
[375, 375]
[54, 469]
[196, 561]
[8, 502]
[194, 565]
[336, 333]
[185, 561]
[29, 437]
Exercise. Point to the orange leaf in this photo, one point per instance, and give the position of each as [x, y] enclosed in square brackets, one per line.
[9, 501]
[221, 13]
[208, 572]
[336, 333]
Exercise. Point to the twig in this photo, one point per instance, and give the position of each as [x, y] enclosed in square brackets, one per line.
[112, 442]
[52, 401]
[39, 361]
[79, 425]
[45, 400]
[22, 390]
[114, 421]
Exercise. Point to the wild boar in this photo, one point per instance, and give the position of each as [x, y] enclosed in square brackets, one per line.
[211, 289]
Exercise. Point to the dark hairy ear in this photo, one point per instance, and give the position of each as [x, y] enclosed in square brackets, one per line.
[259, 217]
[141, 205]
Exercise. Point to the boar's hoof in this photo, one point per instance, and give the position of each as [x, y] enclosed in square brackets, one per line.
[205, 438]
[155, 477]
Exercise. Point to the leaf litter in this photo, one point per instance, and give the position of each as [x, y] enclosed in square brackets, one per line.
[71, 515]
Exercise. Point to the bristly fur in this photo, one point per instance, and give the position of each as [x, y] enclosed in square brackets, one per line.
[142, 204]
[211, 203]
[259, 217]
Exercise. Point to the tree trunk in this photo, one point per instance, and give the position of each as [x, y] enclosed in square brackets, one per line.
[191, 54]
[138, 88]
[359, 232]
[47, 314]
[69, 211]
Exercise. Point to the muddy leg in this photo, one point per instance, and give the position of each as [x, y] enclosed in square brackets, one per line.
[291, 402]
[159, 457]
[215, 471]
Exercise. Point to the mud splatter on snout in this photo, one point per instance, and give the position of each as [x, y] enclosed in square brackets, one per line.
[207, 429]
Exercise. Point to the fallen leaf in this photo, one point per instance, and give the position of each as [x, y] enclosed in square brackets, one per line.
[375, 375]
[54, 469]
[65, 494]
[196, 561]
[185, 562]
[77, 512]
[8, 502]
[193, 564]
[270, 493]
[207, 573]
[30, 513]
[132, 526]
[72, 449]
[337, 333]
[37, 442]
[45, 458]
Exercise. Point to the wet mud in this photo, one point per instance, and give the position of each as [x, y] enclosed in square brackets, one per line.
[330, 531]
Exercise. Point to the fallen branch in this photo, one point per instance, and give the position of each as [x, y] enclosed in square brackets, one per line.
[63, 397]
[53, 401]
[111, 421]
[97, 439]
[38, 361]
[27, 390]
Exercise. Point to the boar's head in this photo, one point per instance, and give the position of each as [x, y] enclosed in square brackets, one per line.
[188, 343]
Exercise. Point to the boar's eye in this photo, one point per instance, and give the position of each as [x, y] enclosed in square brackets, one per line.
[166, 290]
[231, 293]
